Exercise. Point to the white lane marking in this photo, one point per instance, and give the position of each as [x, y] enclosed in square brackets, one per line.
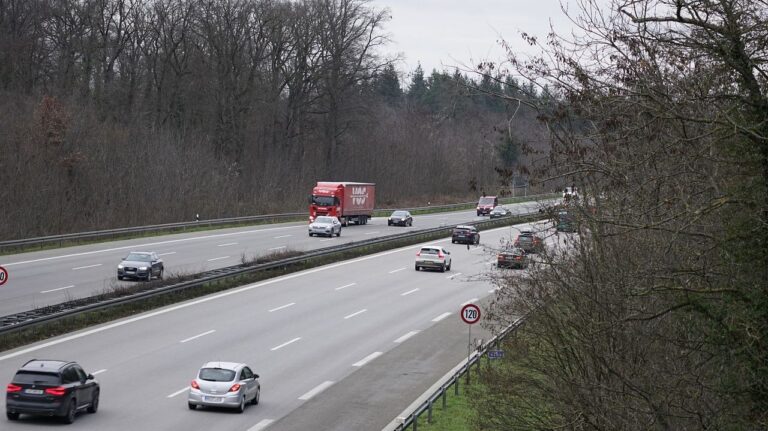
[198, 336]
[450, 277]
[87, 266]
[282, 306]
[356, 313]
[372, 233]
[227, 244]
[278, 248]
[396, 270]
[319, 388]
[468, 302]
[218, 258]
[179, 392]
[282, 236]
[367, 359]
[261, 425]
[345, 286]
[406, 336]
[96, 373]
[247, 288]
[58, 288]
[166, 254]
[492, 291]
[409, 292]
[326, 239]
[441, 317]
[285, 344]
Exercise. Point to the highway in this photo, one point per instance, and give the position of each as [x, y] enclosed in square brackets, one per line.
[302, 332]
[53, 276]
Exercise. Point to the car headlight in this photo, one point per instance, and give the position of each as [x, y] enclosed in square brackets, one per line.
[120, 266]
[143, 268]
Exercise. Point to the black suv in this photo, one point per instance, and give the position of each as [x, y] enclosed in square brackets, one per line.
[51, 388]
[465, 235]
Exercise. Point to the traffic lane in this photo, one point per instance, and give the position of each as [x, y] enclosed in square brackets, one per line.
[163, 355]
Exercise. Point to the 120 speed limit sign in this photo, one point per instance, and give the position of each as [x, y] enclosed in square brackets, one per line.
[3, 275]
[470, 314]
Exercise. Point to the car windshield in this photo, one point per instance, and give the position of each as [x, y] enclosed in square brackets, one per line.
[498, 210]
[324, 220]
[217, 375]
[399, 214]
[429, 251]
[36, 378]
[485, 201]
[139, 257]
[324, 201]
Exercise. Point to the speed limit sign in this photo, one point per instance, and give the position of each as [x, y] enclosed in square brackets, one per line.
[470, 314]
[3, 275]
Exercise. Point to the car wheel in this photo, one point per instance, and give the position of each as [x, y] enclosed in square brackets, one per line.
[453, 241]
[410, 223]
[119, 277]
[94, 407]
[70, 416]
[310, 234]
[339, 234]
[442, 268]
[241, 407]
[12, 416]
[160, 276]
[417, 267]
[448, 268]
[192, 406]
[389, 223]
[256, 398]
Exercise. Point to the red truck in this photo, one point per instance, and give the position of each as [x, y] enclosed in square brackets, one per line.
[350, 202]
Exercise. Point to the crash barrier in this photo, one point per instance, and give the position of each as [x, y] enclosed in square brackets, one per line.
[62, 239]
[50, 313]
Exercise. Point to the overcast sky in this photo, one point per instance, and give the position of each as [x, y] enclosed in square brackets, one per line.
[445, 33]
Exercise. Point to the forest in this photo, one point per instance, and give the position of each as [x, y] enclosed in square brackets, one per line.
[121, 113]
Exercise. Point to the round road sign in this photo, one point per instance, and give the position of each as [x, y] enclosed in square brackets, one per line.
[3, 275]
[470, 314]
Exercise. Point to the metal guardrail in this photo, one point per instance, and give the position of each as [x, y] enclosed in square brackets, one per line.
[109, 233]
[29, 318]
[412, 419]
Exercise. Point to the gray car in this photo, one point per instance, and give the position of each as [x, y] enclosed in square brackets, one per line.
[141, 265]
[224, 384]
[325, 225]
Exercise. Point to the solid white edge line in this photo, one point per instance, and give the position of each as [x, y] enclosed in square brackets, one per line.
[396, 270]
[316, 390]
[373, 233]
[441, 317]
[227, 244]
[202, 300]
[261, 425]
[345, 286]
[367, 359]
[60, 288]
[166, 254]
[285, 344]
[282, 306]
[198, 336]
[277, 248]
[218, 258]
[87, 266]
[409, 292]
[473, 300]
[450, 277]
[282, 236]
[96, 373]
[356, 313]
[179, 392]
[406, 336]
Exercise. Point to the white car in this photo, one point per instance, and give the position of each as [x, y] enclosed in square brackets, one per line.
[325, 225]
[435, 257]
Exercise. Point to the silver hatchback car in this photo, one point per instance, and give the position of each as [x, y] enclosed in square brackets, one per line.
[224, 384]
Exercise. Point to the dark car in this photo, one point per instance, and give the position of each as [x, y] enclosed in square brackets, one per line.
[400, 218]
[500, 211]
[529, 241]
[564, 222]
[465, 235]
[51, 388]
[141, 265]
[512, 257]
[486, 204]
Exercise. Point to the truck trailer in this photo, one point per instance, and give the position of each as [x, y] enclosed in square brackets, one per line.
[350, 202]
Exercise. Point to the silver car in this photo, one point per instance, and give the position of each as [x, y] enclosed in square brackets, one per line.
[141, 265]
[224, 384]
[325, 225]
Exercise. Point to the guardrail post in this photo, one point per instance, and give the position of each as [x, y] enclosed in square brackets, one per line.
[429, 412]
[416, 422]
[444, 397]
[456, 387]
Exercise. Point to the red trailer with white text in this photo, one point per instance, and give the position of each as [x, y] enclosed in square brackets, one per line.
[348, 201]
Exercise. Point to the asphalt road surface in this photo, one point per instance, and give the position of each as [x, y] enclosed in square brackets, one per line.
[53, 276]
[303, 333]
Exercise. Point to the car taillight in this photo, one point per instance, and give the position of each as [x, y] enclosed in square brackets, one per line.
[235, 387]
[440, 255]
[418, 253]
[58, 391]
[194, 384]
[13, 388]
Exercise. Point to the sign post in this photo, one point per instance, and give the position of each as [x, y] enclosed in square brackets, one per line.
[3, 275]
[470, 314]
